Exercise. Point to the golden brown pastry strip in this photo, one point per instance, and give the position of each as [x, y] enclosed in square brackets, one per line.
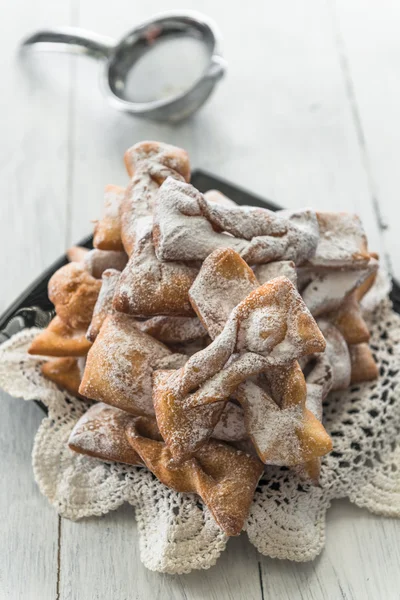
[103, 306]
[107, 231]
[189, 227]
[64, 372]
[282, 428]
[58, 339]
[148, 287]
[73, 291]
[225, 478]
[173, 330]
[271, 326]
[97, 261]
[148, 164]
[338, 355]
[224, 280]
[363, 365]
[120, 364]
[326, 288]
[342, 241]
[319, 382]
[349, 320]
[100, 432]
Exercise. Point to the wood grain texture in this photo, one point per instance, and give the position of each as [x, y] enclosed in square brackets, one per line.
[101, 556]
[33, 191]
[28, 525]
[283, 124]
[360, 561]
[34, 148]
[370, 47]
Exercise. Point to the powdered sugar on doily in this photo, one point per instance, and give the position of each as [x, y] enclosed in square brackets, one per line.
[287, 518]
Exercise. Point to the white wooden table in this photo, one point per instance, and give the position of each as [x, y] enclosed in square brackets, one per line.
[308, 115]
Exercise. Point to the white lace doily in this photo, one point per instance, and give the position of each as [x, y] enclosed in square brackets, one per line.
[287, 518]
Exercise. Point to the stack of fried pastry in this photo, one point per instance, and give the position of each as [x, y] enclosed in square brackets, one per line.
[208, 334]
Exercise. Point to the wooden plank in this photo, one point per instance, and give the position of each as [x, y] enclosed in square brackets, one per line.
[33, 190]
[360, 561]
[100, 559]
[28, 524]
[34, 149]
[370, 44]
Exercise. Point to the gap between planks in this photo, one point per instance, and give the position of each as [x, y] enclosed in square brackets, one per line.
[356, 117]
[59, 531]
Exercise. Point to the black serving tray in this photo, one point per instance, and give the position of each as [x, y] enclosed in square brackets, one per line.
[34, 309]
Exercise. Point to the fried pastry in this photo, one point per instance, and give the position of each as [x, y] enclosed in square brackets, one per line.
[173, 330]
[97, 261]
[367, 284]
[120, 364]
[224, 280]
[100, 432]
[107, 231]
[230, 427]
[338, 355]
[158, 159]
[77, 253]
[74, 292]
[342, 241]
[184, 268]
[219, 198]
[222, 476]
[225, 478]
[349, 321]
[189, 227]
[327, 288]
[282, 428]
[64, 372]
[148, 287]
[279, 268]
[103, 306]
[270, 327]
[319, 383]
[363, 365]
[58, 339]
[148, 164]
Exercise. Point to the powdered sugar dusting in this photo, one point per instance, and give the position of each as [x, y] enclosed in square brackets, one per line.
[100, 432]
[149, 164]
[223, 282]
[328, 287]
[272, 430]
[338, 355]
[189, 227]
[149, 287]
[172, 330]
[230, 427]
[103, 306]
[285, 268]
[342, 241]
[120, 365]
